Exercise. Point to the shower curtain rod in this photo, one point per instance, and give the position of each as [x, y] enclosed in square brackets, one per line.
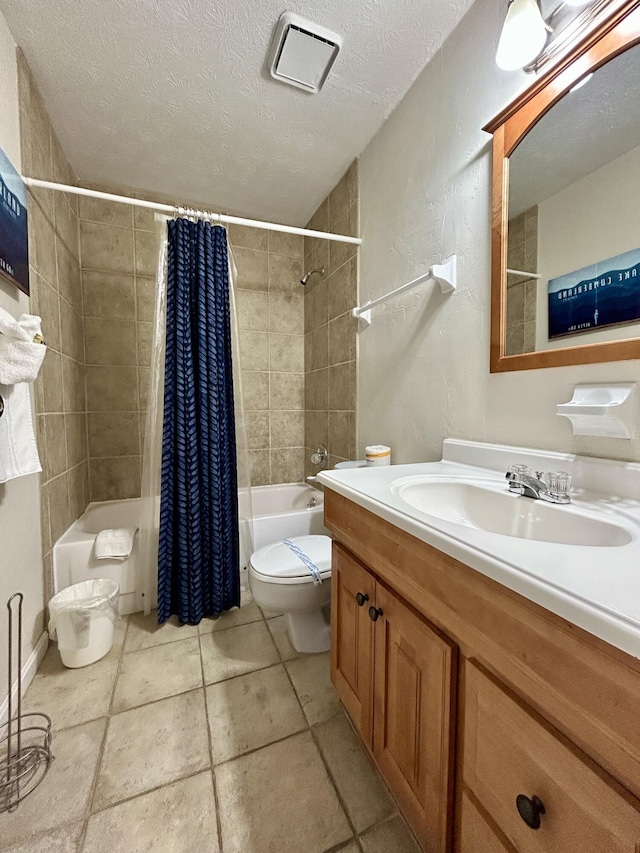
[173, 209]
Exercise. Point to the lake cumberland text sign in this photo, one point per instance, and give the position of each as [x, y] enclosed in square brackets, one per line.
[604, 294]
[14, 235]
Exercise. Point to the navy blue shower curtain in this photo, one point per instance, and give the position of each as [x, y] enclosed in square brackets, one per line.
[198, 551]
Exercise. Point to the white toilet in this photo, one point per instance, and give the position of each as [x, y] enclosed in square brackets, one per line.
[280, 580]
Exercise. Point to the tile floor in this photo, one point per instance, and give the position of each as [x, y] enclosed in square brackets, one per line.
[217, 738]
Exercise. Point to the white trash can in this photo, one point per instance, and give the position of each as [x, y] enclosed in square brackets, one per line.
[82, 619]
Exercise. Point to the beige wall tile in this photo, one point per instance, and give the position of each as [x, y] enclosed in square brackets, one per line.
[105, 212]
[73, 385]
[255, 390]
[291, 245]
[254, 350]
[286, 391]
[51, 377]
[143, 217]
[49, 309]
[105, 247]
[287, 466]
[343, 289]
[143, 388]
[45, 525]
[285, 273]
[113, 434]
[253, 269]
[109, 295]
[253, 310]
[342, 339]
[53, 441]
[146, 248]
[68, 276]
[316, 429]
[66, 223]
[316, 348]
[78, 484]
[316, 307]
[342, 386]
[260, 467]
[287, 353]
[257, 426]
[248, 238]
[110, 343]
[145, 298]
[342, 434]
[76, 430]
[115, 479]
[145, 339]
[317, 390]
[286, 313]
[72, 331]
[340, 253]
[287, 428]
[111, 389]
[320, 219]
[59, 511]
[318, 259]
[42, 246]
[339, 200]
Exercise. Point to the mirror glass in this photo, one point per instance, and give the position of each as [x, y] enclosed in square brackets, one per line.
[573, 250]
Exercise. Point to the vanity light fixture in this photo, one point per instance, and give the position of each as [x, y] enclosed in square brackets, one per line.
[530, 39]
[524, 34]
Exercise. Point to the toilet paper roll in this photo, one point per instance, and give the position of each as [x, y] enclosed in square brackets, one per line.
[378, 454]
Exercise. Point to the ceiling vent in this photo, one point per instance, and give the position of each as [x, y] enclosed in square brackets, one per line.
[302, 53]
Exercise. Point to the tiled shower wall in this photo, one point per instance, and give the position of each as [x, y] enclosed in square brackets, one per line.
[330, 330]
[119, 255]
[56, 295]
[522, 254]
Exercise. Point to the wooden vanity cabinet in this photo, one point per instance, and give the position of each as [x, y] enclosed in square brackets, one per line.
[395, 674]
[441, 668]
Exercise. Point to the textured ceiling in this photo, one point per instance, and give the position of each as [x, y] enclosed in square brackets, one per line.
[172, 95]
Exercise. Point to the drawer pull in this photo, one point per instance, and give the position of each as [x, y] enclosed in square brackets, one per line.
[374, 613]
[360, 598]
[530, 810]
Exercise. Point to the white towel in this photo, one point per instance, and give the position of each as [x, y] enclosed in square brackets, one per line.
[20, 355]
[18, 449]
[115, 543]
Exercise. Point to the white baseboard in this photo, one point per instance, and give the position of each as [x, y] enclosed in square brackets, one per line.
[29, 669]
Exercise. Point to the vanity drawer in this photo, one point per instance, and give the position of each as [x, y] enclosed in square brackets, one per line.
[509, 751]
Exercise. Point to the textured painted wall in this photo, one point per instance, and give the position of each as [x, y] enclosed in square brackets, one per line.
[425, 183]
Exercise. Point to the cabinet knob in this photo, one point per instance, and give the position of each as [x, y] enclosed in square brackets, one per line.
[374, 613]
[530, 810]
[360, 598]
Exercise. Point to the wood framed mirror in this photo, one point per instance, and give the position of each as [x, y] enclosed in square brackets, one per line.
[565, 241]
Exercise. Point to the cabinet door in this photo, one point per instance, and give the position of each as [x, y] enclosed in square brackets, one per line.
[352, 593]
[475, 835]
[510, 753]
[413, 717]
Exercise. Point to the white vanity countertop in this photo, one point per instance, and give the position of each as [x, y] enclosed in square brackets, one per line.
[596, 588]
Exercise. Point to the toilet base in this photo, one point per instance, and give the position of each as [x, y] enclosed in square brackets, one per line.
[309, 631]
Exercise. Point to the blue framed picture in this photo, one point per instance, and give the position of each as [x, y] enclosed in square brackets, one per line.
[595, 297]
[14, 233]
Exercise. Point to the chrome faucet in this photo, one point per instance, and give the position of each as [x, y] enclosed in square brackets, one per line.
[552, 488]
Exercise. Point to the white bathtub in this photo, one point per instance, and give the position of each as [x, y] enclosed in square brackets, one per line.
[279, 512]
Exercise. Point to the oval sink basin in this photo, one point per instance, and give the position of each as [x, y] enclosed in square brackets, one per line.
[473, 506]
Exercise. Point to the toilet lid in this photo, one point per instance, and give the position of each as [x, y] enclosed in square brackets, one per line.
[277, 563]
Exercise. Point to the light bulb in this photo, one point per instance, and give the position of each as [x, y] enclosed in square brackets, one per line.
[524, 34]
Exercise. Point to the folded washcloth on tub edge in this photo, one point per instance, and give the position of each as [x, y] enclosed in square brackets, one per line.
[114, 543]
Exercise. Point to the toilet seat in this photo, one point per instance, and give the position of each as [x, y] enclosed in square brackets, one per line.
[277, 563]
